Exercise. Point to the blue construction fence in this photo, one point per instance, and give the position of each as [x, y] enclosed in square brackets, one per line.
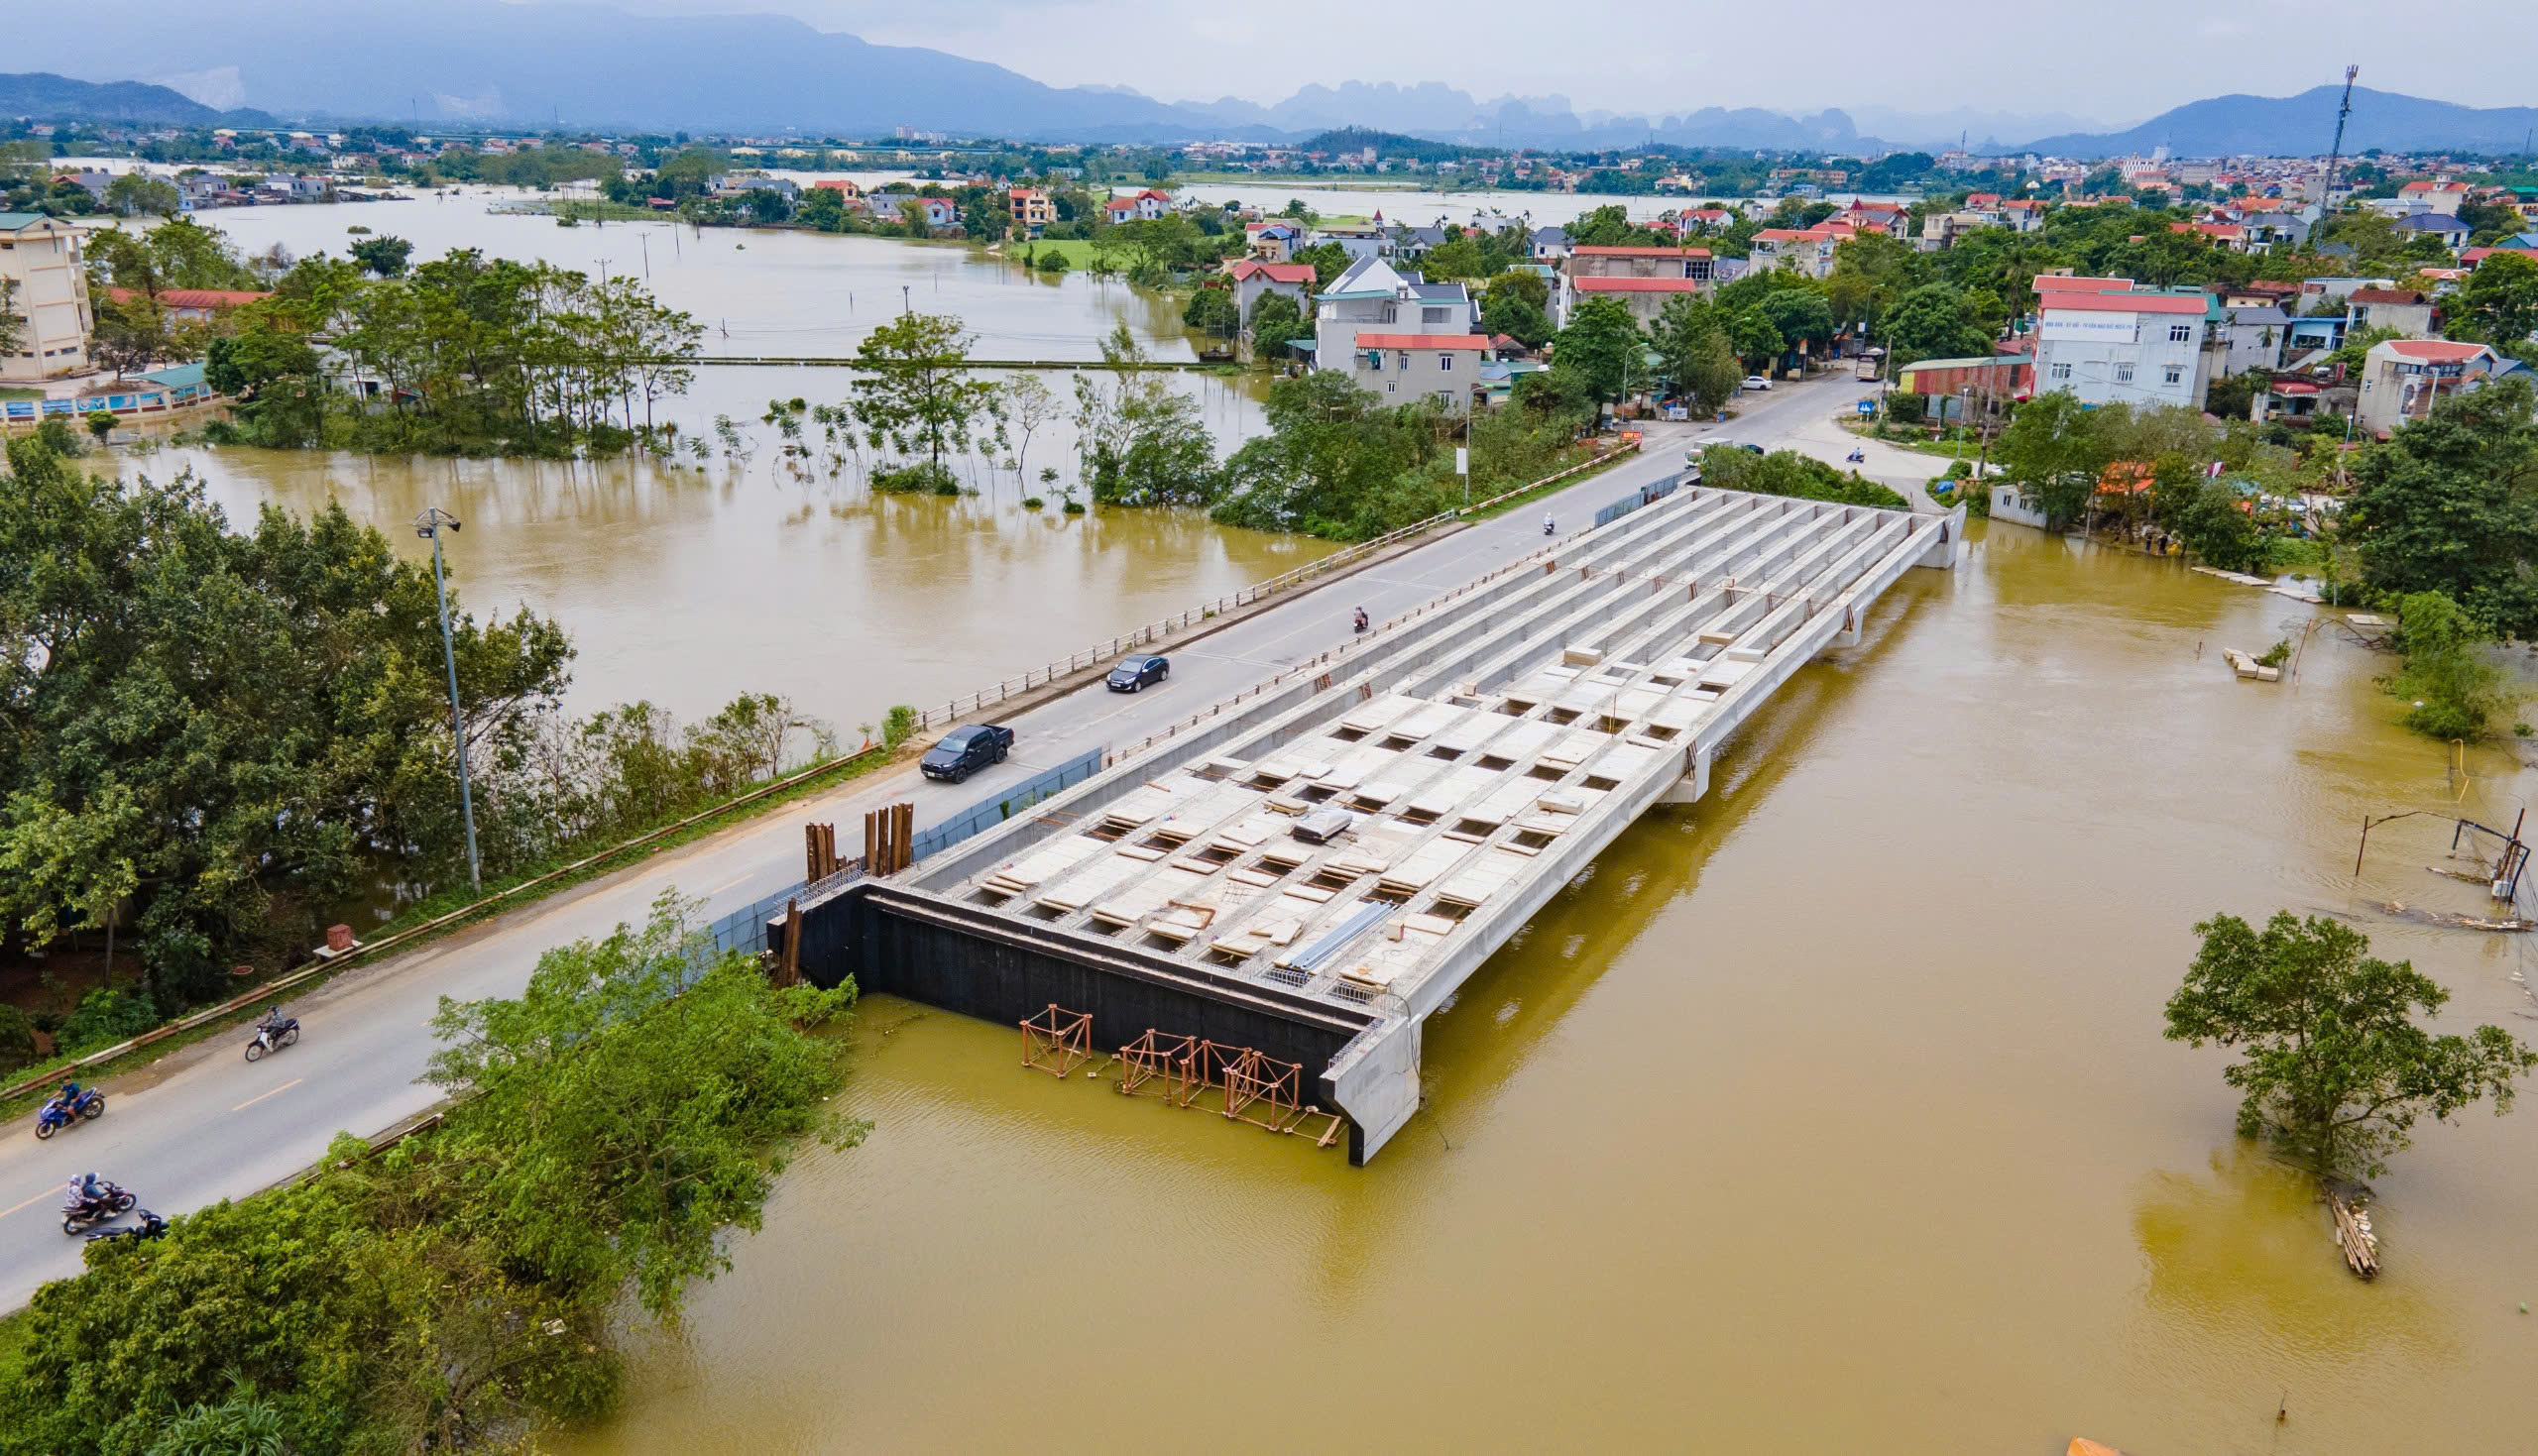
[746, 930]
[982, 817]
[1647, 495]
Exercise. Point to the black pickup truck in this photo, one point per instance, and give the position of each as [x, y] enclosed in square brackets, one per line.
[965, 751]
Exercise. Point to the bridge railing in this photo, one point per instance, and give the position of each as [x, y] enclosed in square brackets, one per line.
[1155, 632]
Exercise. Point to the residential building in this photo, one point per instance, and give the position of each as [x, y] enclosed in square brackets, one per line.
[2255, 338]
[1032, 210]
[2105, 340]
[1253, 277]
[40, 257]
[2408, 313]
[1549, 245]
[1807, 249]
[2302, 402]
[1403, 368]
[1274, 240]
[1950, 387]
[192, 305]
[940, 212]
[1375, 297]
[2402, 378]
[1642, 277]
[1144, 207]
[845, 187]
[2448, 229]
[1360, 241]
[2435, 194]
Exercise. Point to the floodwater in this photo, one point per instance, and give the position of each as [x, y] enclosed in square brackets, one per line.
[1421, 207]
[689, 584]
[1829, 1114]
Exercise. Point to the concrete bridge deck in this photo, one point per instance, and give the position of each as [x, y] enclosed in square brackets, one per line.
[1484, 754]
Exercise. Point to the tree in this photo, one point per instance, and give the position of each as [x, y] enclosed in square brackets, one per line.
[1532, 287]
[13, 324]
[1518, 317]
[1141, 442]
[1695, 355]
[823, 208]
[1802, 316]
[1276, 320]
[1456, 258]
[1212, 310]
[1028, 406]
[2054, 447]
[2335, 1071]
[1756, 339]
[2498, 303]
[135, 193]
[382, 255]
[2449, 504]
[129, 333]
[2455, 692]
[915, 391]
[1601, 349]
[1934, 321]
[1329, 260]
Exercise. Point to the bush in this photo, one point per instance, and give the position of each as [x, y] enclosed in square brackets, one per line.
[1075, 508]
[17, 1039]
[1904, 407]
[924, 477]
[2455, 692]
[1052, 261]
[1032, 502]
[1787, 473]
[102, 1018]
[898, 726]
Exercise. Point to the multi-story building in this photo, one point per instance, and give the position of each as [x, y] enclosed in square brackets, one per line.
[1641, 278]
[2106, 341]
[1809, 250]
[1032, 210]
[1402, 368]
[46, 288]
[1375, 299]
[2402, 378]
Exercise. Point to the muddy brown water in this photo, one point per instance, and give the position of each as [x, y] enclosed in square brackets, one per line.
[1829, 1114]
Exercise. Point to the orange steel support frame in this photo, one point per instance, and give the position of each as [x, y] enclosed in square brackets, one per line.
[1156, 1057]
[1057, 1041]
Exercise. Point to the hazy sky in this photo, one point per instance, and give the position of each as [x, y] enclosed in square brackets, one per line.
[2110, 62]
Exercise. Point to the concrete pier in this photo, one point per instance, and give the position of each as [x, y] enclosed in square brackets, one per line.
[1316, 869]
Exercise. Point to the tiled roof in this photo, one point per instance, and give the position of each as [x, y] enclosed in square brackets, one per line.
[2387, 295]
[2055, 282]
[2433, 351]
[1637, 285]
[2118, 303]
[191, 297]
[1423, 341]
[1276, 273]
[1640, 251]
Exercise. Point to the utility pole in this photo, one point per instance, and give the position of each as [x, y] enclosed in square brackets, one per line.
[430, 525]
[2335, 154]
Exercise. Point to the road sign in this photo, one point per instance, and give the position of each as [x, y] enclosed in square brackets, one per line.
[1867, 407]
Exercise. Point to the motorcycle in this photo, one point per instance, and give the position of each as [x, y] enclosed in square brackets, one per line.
[1547, 525]
[77, 1215]
[1361, 619]
[57, 1114]
[151, 1227]
[1856, 457]
[274, 1033]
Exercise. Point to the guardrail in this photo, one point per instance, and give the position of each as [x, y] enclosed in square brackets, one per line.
[987, 814]
[1099, 653]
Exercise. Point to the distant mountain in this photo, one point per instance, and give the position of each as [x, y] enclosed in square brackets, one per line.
[2305, 125]
[47, 97]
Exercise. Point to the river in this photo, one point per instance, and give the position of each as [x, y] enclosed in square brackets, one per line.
[688, 586]
[1829, 1114]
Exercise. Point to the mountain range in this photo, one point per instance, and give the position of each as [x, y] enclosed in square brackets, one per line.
[589, 65]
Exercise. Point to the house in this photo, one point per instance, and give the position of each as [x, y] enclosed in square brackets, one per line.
[1946, 386]
[192, 305]
[2255, 338]
[2431, 195]
[40, 256]
[1030, 210]
[939, 212]
[2476, 258]
[1253, 277]
[1118, 210]
[2300, 401]
[1146, 206]
[1642, 276]
[2221, 234]
[204, 190]
[1807, 249]
[95, 182]
[2408, 313]
[1403, 368]
[2105, 340]
[845, 187]
[1374, 297]
[1549, 245]
[1274, 242]
[1360, 241]
[2452, 233]
[1412, 242]
[2402, 378]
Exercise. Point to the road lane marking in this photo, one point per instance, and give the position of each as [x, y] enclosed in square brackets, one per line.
[258, 1097]
[718, 889]
[31, 1202]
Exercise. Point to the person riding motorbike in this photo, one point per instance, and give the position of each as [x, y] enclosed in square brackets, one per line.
[1361, 619]
[87, 1192]
[65, 1100]
[1856, 456]
[1548, 527]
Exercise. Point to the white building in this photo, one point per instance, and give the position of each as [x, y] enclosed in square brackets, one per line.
[2105, 341]
[48, 296]
[1373, 296]
[1403, 368]
[2402, 378]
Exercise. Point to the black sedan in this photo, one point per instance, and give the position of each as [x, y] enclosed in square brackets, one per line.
[1134, 673]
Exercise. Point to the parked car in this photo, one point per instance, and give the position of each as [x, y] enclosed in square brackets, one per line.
[1134, 674]
[965, 751]
[1758, 382]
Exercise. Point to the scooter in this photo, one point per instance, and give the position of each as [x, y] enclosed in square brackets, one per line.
[1856, 457]
[56, 1116]
[1361, 619]
[274, 1033]
[151, 1227]
[1547, 525]
[79, 1214]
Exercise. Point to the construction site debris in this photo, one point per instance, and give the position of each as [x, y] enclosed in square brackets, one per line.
[2454, 919]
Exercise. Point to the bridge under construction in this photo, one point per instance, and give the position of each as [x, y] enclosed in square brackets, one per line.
[1277, 898]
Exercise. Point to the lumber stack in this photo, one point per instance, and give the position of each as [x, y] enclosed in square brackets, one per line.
[2353, 1234]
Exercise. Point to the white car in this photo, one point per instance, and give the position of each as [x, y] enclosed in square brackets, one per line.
[1757, 381]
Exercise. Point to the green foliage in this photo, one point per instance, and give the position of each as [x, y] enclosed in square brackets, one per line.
[135, 193]
[1276, 320]
[1212, 310]
[2498, 303]
[176, 254]
[1787, 473]
[1756, 339]
[1903, 407]
[1801, 315]
[631, 1106]
[1695, 355]
[2449, 504]
[103, 1017]
[2455, 692]
[1519, 317]
[17, 1037]
[898, 725]
[2056, 451]
[1139, 441]
[1329, 260]
[382, 255]
[915, 391]
[2334, 1069]
[1934, 321]
[1602, 350]
[917, 477]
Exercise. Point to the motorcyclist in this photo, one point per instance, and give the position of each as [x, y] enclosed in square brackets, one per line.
[67, 1098]
[87, 1192]
[1361, 619]
[1547, 525]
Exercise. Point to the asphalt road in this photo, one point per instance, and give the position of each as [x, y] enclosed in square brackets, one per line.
[201, 1124]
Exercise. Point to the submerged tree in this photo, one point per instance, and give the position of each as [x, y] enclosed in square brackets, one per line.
[915, 391]
[2334, 1069]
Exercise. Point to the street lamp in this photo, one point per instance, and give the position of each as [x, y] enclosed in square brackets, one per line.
[430, 525]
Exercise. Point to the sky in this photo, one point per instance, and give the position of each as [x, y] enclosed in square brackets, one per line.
[2112, 65]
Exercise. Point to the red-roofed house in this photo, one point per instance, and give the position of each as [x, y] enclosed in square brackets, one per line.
[1119, 209]
[192, 305]
[2223, 234]
[1031, 208]
[845, 187]
[1253, 277]
[2108, 342]
[2433, 195]
[2402, 378]
[1809, 250]
[1145, 207]
[2407, 312]
[1401, 368]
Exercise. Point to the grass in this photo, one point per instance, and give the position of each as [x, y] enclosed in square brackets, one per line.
[1079, 251]
[11, 392]
[426, 910]
[13, 1347]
